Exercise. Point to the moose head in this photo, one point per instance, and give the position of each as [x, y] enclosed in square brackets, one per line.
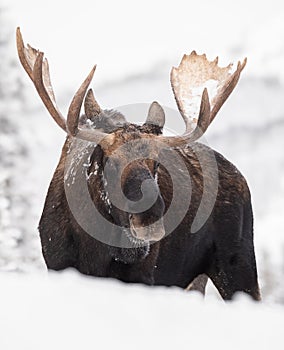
[134, 203]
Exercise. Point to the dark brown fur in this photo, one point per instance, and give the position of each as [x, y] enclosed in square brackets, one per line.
[222, 249]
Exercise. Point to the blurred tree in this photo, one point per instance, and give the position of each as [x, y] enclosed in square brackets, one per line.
[13, 151]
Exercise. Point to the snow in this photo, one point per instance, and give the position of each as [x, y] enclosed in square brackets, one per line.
[191, 105]
[135, 45]
[68, 311]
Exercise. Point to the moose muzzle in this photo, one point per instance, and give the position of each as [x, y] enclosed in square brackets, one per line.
[150, 233]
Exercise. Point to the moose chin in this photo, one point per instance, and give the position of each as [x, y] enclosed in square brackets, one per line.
[119, 204]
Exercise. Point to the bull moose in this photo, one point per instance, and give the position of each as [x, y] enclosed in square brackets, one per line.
[130, 203]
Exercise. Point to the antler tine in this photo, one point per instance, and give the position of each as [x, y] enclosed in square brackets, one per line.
[75, 106]
[74, 113]
[38, 70]
[22, 55]
[46, 96]
[203, 118]
[226, 90]
[202, 125]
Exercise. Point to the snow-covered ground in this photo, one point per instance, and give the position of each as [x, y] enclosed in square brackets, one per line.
[67, 311]
[135, 45]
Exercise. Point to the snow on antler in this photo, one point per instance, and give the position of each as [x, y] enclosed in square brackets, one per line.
[192, 76]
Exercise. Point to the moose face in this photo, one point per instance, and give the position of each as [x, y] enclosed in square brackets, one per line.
[141, 188]
[130, 169]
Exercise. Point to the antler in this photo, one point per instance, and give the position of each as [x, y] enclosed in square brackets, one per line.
[190, 83]
[38, 70]
[199, 82]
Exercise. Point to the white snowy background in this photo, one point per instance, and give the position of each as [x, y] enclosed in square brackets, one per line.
[135, 44]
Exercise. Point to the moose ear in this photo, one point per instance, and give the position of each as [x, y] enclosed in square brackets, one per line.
[91, 106]
[156, 115]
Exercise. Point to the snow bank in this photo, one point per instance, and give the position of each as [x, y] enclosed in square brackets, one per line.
[69, 311]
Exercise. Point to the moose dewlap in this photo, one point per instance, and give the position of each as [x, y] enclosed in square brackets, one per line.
[128, 202]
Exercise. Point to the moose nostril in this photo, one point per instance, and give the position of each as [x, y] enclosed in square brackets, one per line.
[149, 194]
[141, 195]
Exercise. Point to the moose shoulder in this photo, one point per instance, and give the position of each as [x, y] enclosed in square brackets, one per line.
[128, 202]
